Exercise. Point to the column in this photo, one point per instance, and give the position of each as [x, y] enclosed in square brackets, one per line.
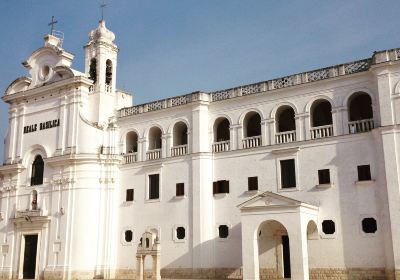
[307, 126]
[139, 267]
[299, 127]
[233, 137]
[250, 252]
[265, 133]
[298, 249]
[166, 144]
[12, 135]
[271, 129]
[340, 121]
[141, 150]
[239, 136]
[156, 267]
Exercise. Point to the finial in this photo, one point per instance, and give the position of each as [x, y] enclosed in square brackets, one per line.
[52, 23]
[102, 7]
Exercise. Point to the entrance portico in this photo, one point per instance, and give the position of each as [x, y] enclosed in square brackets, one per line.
[292, 214]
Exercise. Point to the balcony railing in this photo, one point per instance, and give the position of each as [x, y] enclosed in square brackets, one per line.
[130, 158]
[285, 137]
[180, 150]
[321, 131]
[221, 146]
[251, 142]
[153, 154]
[361, 126]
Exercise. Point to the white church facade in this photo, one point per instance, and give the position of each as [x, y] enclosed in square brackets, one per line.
[291, 178]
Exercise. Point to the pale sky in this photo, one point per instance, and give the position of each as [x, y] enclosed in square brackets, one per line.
[173, 47]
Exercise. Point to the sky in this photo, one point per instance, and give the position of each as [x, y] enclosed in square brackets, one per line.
[173, 47]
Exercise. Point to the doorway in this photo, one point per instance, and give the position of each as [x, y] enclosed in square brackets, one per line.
[286, 256]
[29, 266]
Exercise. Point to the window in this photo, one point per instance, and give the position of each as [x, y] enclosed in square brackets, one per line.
[221, 186]
[154, 186]
[129, 195]
[324, 176]
[369, 225]
[223, 231]
[37, 171]
[252, 183]
[108, 72]
[93, 70]
[180, 189]
[364, 173]
[288, 174]
[328, 227]
[128, 236]
[180, 233]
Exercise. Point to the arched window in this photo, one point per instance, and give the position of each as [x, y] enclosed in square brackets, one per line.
[252, 124]
[155, 138]
[108, 72]
[131, 142]
[221, 130]
[180, 134]
[285, 119]
[321, 113]
[37, 171]
[360, 107]
[93, 70]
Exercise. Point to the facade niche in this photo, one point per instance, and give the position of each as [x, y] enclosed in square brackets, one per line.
[285, 119]
[252, 124]
[321, 113]
[131, 142]
[221, 130]
[37, 171]
[108, 72]
[155, 138]
[93, 70]
[360, 107]
[180, 136]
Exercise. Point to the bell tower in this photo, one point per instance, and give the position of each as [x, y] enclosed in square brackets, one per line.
[100, 67]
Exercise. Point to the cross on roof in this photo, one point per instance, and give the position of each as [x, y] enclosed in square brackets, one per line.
[102, 7]
[52, 23]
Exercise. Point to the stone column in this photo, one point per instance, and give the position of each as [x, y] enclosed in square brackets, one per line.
[299, 127]
[271, 131]
[307, 125]
[340, 120]
[156, 267]
[139, 267]
[168, 144]
[264, 133]
[164, 146]
[141, 149]
[239, 136]
[298, 250]
[233, 137]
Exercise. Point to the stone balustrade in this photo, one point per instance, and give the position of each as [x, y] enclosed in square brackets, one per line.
[321, 131]
[153, 154]
[285, 137]
[251, 142]
[130, 158]
[222, 146]
[180, 150]
[361, 126]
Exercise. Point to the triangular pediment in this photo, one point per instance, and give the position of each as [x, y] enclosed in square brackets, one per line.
[271, 200]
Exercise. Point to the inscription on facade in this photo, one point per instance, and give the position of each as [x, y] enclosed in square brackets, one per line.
[41, 126]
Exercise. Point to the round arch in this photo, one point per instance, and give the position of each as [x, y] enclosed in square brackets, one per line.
[307, 108]
[244, 113]
[279, 105]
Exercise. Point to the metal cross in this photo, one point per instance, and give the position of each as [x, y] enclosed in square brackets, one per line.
[102, 7]
[52, 23]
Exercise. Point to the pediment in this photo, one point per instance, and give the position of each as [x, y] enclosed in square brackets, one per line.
[270, 200]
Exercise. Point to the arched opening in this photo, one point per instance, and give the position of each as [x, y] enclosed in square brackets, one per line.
[252, 124]
[180, 136]
[93, 70]
[155, 138]
[321, 119]
[285, 119]
[273, 250]
[34, 200]
[312, 242]
[221, 130]
[108, 72]
[360, 113]
[37, 171]
[131, 142]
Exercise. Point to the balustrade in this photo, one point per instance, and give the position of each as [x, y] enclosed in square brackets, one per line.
[251, 142]
[221, 146]
[285, 137]
[153, 154]
[361, 126]
[130, 158]
[321, 131]
[180, 150]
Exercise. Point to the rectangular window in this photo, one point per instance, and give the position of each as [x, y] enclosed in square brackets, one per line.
[154, 186]
[180, 189]
[324, 176]
[288, 174]
[129, 195]
[252, 183]
[221, 186]
[364, 173]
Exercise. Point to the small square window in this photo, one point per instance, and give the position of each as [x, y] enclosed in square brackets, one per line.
[288, 174]
[223, 231]
[252, 183]
[154, 186]
[180, 233]
[221, 186]
[180, 189]
[369, 225]
[324, 176]
[129, 195]
[328, 227]
[364, 173]
[128, 236]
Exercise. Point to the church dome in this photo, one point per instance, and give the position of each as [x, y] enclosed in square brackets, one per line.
[101, 33]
